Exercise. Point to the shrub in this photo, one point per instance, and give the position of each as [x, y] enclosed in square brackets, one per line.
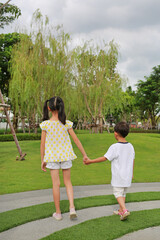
[2, 131]
[140, 130]
[20, 137]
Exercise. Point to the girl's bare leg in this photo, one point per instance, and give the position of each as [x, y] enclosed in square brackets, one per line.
[56, 189]
[69, 188]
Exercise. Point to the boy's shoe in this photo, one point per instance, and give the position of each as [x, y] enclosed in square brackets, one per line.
[117, 212]
[124, 215]
[73, 214]
[57, 216]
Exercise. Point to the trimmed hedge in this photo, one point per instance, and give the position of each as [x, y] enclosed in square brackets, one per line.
[33, 136]
[2, 131]
[20, 137]
[140, 130]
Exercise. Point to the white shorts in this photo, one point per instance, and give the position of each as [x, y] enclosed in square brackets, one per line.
[119, 191]
[59, 165]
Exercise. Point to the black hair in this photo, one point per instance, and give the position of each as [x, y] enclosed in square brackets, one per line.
[55, 104]
[122, 128]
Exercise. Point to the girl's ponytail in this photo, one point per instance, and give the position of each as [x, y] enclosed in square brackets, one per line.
[45, 111]
[61, 111]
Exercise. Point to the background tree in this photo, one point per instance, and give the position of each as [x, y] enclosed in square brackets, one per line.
[148, 96]
[7, 41]
[98, 82]
[129, 111]
[42, 65]
[40, 69]
[8, 13]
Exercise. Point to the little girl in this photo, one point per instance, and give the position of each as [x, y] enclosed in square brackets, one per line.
[57, 152]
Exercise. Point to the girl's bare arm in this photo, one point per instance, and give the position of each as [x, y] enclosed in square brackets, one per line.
[77, 142]
[43, 139]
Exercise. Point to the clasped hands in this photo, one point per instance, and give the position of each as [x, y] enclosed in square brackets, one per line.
[86, 160]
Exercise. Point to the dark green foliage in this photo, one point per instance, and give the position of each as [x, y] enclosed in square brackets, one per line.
[8, 14]
[148, 96]
[6, 44]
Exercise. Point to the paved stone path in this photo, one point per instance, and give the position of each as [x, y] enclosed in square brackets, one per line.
[152, 233]
[41, 228]
[25, 199]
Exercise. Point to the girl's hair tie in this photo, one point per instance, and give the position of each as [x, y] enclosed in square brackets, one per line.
[55, 102]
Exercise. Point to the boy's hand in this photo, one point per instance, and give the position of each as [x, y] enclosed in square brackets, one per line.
[43, 166]
[86, 160]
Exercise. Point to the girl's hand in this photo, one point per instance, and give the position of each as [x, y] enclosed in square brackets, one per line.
[86, 160]
[43, 166]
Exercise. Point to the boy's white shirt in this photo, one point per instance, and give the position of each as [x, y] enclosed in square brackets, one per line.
[121, 156]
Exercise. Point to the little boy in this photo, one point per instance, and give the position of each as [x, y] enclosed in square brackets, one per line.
[121, 155]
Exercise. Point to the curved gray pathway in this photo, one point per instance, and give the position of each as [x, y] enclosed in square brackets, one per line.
[146, 234]
[38, 229]
[25, 199]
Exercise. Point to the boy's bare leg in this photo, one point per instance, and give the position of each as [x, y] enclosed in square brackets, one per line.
[121, 201]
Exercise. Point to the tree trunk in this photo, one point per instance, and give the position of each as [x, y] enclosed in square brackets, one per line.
[15, 121]
[153, 121]
[23, 124]
[12, 129]
[35, 129]
[6, 128]
[100, 124]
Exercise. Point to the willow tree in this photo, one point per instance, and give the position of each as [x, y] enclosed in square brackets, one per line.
[40, 69]
[98, 80]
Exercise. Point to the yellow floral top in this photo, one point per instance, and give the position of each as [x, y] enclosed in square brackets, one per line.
[58, 147]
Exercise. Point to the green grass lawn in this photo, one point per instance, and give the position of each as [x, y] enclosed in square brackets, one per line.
[26, 175]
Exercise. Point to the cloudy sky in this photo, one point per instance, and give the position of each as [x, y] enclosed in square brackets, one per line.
[133, 24]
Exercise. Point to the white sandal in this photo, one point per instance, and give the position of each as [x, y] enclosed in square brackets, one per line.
[73, 214]
[57, 216]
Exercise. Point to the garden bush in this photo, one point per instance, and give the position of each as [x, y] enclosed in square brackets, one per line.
[33, 136]
[20, 137]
